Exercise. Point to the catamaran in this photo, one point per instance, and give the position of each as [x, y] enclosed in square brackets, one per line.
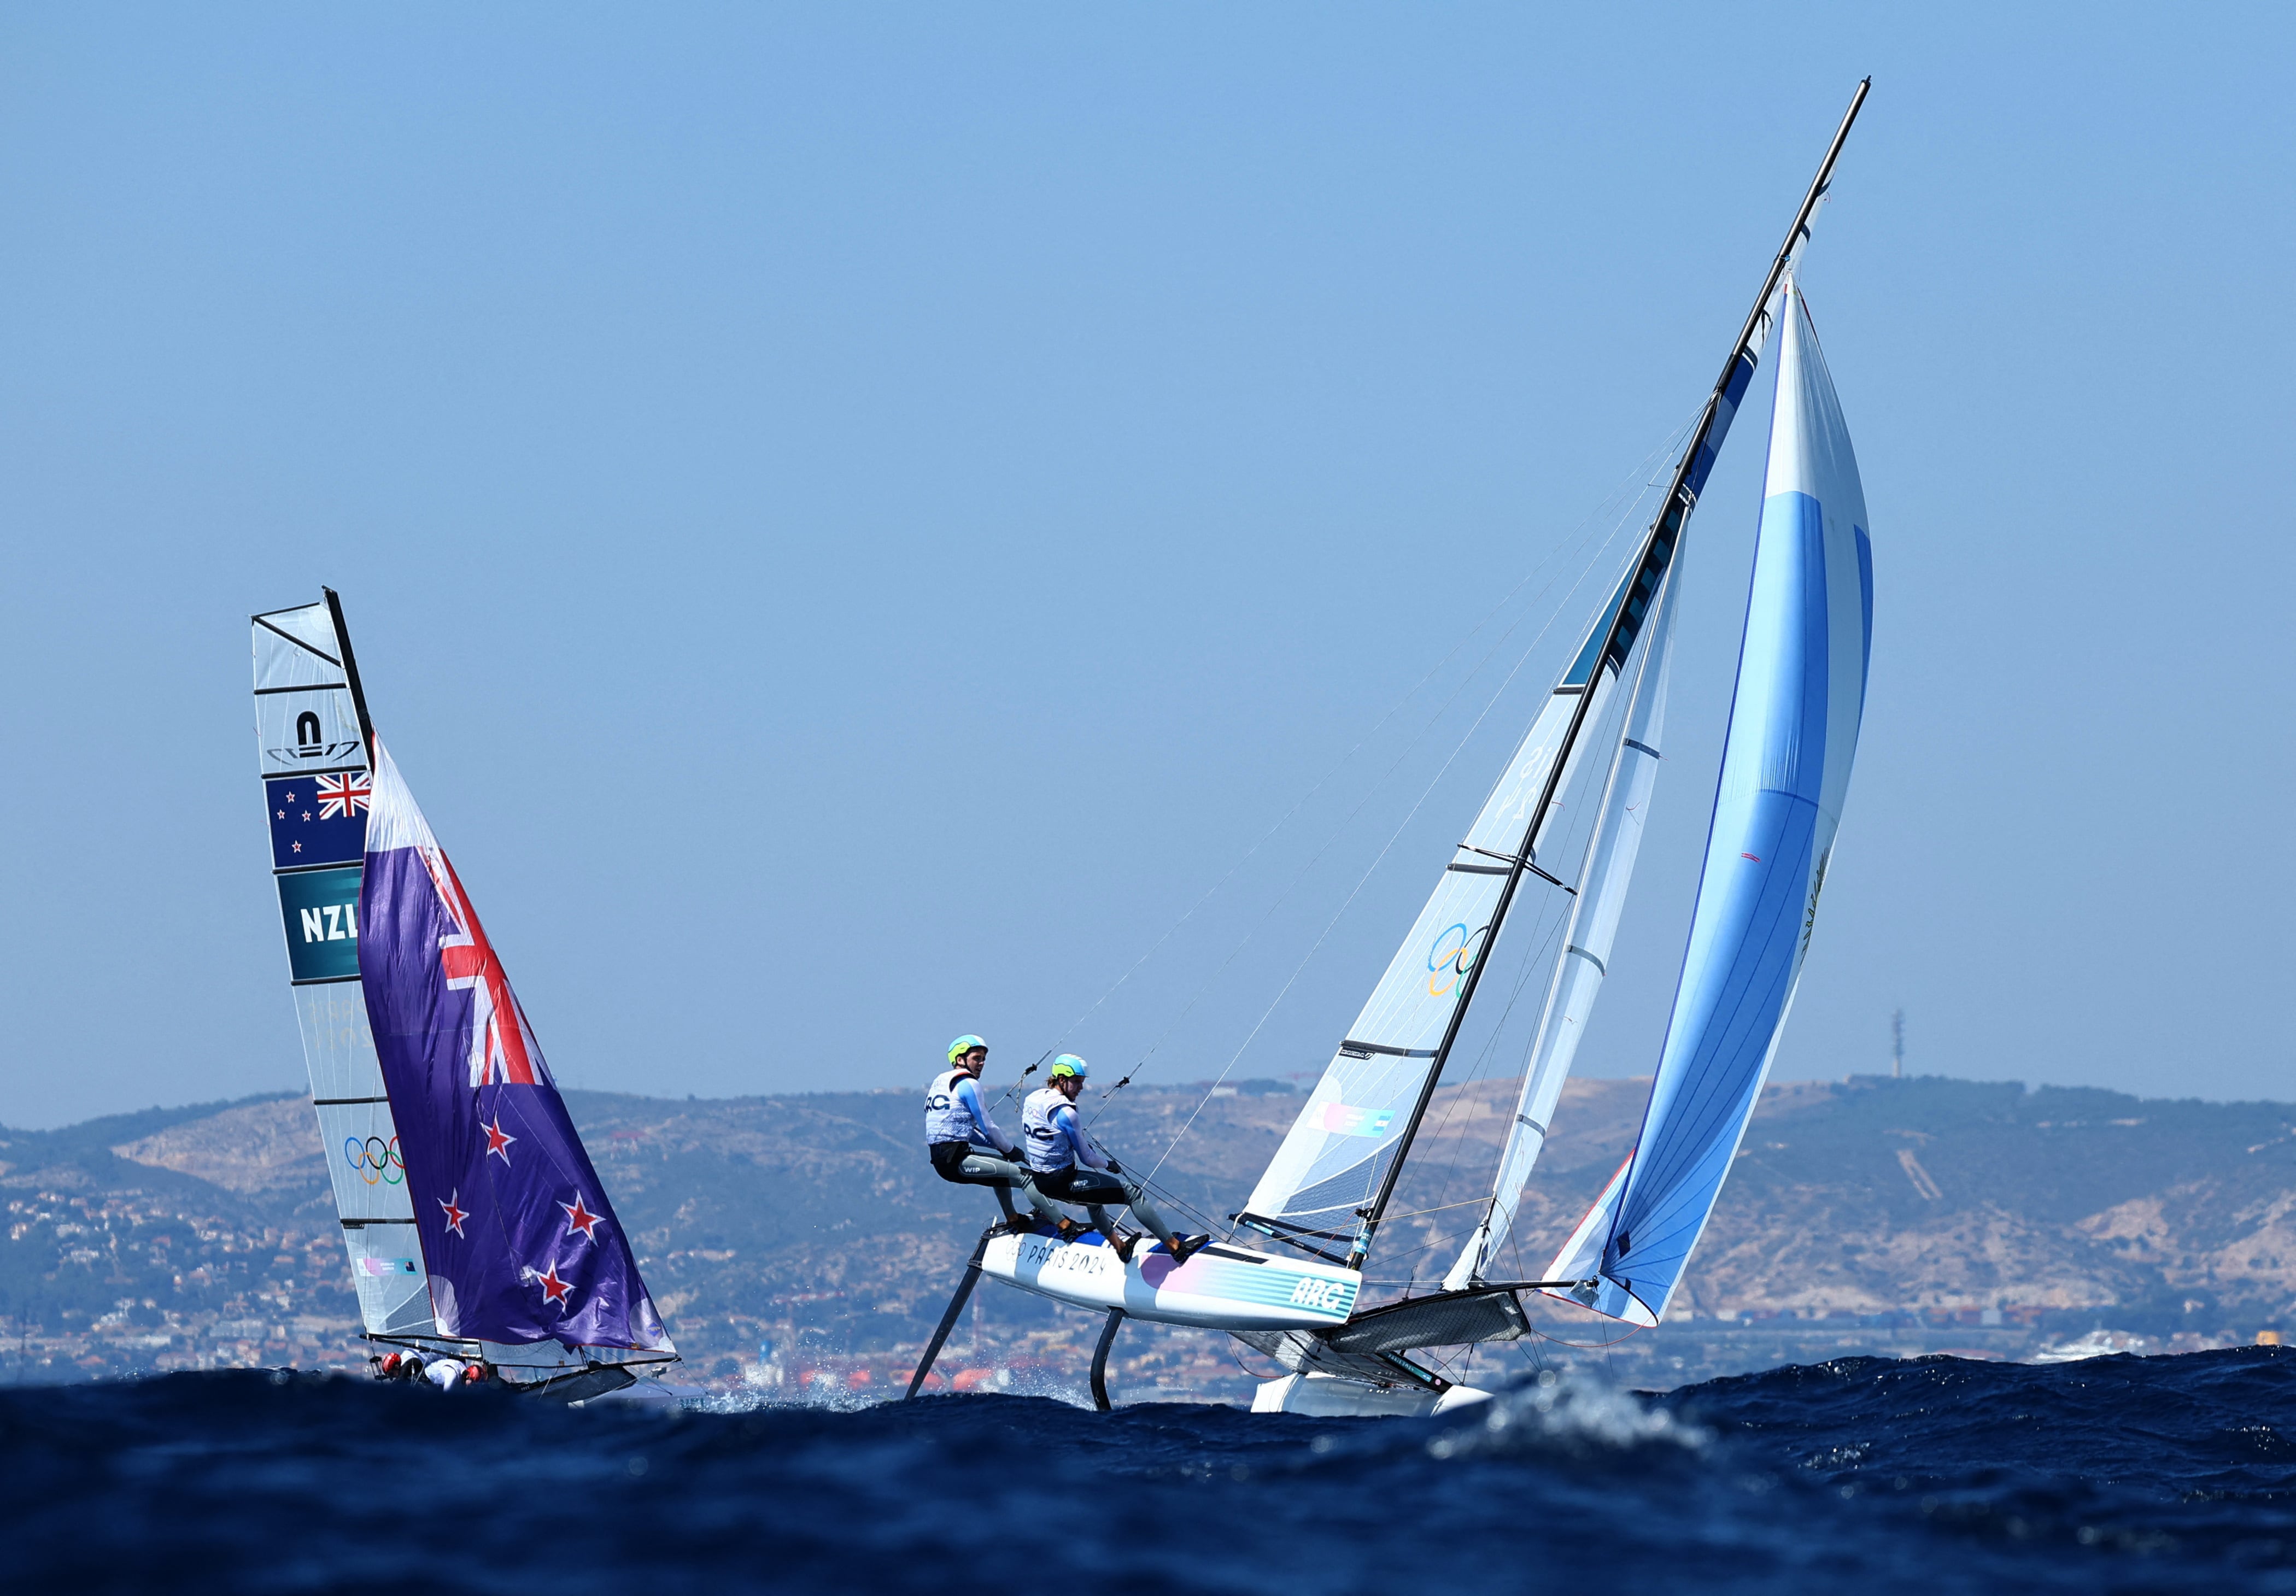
[1287, 1279]
[476, 1225]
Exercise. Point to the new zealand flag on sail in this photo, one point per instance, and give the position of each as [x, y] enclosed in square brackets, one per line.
[317, 820]
[519, 1240]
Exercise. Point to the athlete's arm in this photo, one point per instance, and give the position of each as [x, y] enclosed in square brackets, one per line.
[968, 1095]
[1072, 1127]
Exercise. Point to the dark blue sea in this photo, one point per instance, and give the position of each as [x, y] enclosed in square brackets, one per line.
[1864, 1475]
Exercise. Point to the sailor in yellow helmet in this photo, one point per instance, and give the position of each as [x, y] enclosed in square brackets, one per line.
[965, 1143]
[1069, 1166]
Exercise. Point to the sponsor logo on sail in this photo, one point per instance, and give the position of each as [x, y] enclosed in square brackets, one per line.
[1341, 1120]
[313, 748]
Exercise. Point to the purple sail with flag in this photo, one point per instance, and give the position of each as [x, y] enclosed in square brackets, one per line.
[519, 1240]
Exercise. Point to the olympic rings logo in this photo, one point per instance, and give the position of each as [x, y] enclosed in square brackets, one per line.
[1449, 960]
[377, 1161]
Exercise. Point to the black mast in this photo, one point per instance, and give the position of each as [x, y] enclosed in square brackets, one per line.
[1659, 546]
[350, 673]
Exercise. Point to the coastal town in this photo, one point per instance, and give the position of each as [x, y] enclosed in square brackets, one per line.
[205, 1238]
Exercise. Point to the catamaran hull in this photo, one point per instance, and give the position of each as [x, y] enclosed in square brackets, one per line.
[1333, 1396]
[1219, 1287]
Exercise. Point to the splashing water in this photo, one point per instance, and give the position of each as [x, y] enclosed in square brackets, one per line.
[1567, 1411]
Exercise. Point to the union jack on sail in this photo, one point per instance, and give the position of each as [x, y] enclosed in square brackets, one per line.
[344, 796]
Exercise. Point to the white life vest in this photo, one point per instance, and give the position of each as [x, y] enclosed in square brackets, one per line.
[1046, 1144]
[945, 1119]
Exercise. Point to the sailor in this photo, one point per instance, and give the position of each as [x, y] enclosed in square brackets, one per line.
[444, 1372]
[1070, 1167]
[965, 1144]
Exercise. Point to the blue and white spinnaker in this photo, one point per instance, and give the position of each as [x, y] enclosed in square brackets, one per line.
[1785, 767]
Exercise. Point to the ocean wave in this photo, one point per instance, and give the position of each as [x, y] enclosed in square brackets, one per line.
[1873, 1475]
[1566, 1410]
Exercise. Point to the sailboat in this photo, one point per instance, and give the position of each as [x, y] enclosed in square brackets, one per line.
[476, 1225]
[1287, 1279]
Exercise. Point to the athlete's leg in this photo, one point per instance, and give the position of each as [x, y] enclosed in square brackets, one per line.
[959, 1164]
[1143, 1212]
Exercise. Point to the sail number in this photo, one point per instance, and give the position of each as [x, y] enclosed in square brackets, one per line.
[330, 922]
[321, 911]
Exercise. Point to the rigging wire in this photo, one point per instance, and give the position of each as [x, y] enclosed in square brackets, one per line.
[1377, 860]
[1584, 532]
[1369, 790]
[1626, 515]
[1615, 717]
[1451, 1144]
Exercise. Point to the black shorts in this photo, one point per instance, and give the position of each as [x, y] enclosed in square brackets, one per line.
[1076, 1184]
[948, 1162]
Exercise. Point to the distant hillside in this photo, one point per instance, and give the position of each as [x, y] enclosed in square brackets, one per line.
[140, 1239]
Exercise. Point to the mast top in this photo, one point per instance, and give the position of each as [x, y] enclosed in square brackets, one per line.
[1756, 325]
[351, 674]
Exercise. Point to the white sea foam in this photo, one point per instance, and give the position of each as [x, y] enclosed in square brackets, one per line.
[1567, 1411]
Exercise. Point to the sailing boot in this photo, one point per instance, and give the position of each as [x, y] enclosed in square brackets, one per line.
[1005, 1201]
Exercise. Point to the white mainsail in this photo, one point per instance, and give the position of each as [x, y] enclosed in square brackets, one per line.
[312, 755]
[1341, 1152]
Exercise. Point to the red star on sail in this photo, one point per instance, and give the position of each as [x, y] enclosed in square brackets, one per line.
[553, 1289]
[496, 1142]
[580, 1219]
[455, 1216]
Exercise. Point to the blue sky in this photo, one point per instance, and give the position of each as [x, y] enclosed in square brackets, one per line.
[855, 518]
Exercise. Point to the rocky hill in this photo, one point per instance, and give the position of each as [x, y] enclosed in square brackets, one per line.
[1874, 1213]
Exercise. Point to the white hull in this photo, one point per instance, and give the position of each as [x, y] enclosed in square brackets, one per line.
[1329, 1396]
[1220, 1288]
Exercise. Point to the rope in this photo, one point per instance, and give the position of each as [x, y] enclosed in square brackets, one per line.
[1642, 471]
[1363, 880]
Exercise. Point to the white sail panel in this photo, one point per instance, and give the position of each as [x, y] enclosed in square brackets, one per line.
[1785, 767]
[1582, 1254]
[1338, 1151]
[312, 758]
[337, 1047]
[364, 1165]
[306, 729]
[310, 628]
[387, 1272]
[1609, 870]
